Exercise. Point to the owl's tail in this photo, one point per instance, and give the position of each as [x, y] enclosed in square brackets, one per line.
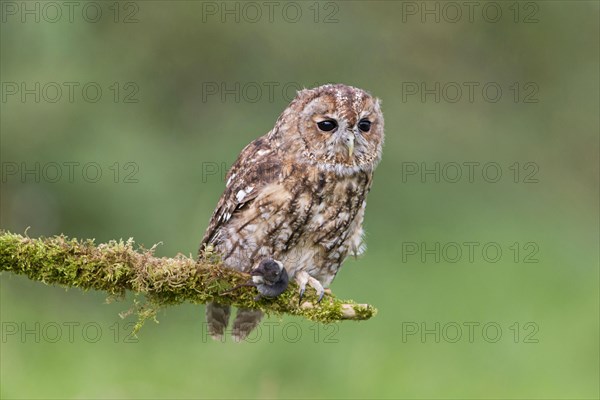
[246, 320]
[217, 318]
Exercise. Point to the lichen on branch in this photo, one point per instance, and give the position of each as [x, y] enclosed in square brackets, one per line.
[117, 267]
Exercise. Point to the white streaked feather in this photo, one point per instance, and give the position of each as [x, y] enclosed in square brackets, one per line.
[230, 179]
[240, 195]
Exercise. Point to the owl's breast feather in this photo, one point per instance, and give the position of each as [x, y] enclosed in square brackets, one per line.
[309, 223]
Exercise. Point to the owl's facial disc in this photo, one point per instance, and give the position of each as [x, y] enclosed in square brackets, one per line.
[341, 128]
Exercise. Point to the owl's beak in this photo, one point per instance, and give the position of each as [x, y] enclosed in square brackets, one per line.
[350, 145]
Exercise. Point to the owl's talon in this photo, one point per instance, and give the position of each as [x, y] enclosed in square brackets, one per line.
[321, 297]
[301, 296]
[303, 278]
[315, 284]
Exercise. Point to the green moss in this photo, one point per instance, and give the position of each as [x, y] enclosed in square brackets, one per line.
[116, 267]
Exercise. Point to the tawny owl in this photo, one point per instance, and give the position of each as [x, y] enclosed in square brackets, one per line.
[297, 195]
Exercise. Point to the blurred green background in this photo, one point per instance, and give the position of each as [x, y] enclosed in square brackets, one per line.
[163, 122]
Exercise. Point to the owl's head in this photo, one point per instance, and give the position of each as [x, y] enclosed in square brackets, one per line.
[339, 127]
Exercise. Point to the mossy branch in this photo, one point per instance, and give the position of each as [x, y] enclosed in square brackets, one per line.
[116, 267]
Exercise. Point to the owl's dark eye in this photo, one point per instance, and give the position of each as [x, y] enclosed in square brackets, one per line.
[327, 125]
[364, 125]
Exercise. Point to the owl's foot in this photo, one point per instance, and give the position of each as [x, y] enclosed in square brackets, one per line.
[302, 278]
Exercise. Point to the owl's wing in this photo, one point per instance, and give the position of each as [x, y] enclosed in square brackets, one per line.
[256, 166]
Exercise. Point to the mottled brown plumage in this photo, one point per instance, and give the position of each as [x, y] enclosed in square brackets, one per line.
[298, 194]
